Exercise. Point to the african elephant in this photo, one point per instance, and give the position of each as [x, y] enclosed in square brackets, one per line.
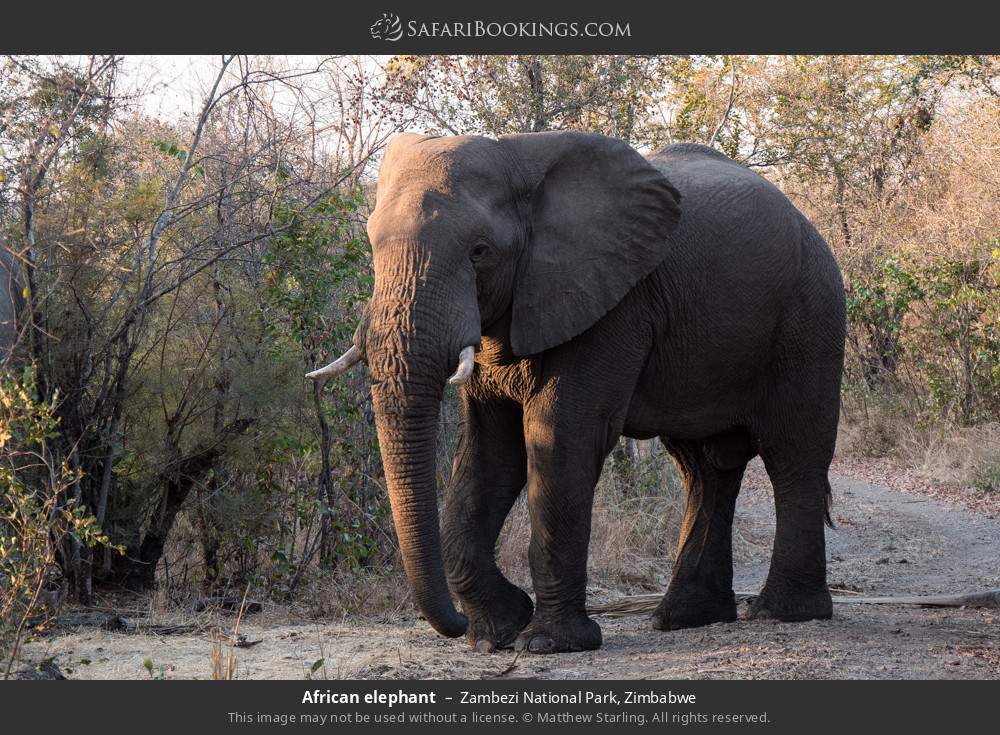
[587, 292]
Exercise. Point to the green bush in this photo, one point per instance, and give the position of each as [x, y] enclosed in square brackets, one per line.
[930, 328]
[38, 510]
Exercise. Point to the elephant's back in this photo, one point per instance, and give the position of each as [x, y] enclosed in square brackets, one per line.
[721, 195]
[739, 226]
[733, 276]
[736, 229]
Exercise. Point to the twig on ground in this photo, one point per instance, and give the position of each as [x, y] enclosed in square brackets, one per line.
[643, 604]
[508, 670]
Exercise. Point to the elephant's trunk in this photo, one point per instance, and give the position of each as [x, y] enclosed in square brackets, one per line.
[419, 319]
[406, 419]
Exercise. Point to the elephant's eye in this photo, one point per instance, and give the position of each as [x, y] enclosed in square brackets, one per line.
[479, 250]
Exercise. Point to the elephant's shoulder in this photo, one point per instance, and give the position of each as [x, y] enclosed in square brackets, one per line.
[699, 163]
[695, 151]
[709, 179]
[694, 166]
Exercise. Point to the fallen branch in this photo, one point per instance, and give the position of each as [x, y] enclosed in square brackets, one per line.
[107, 621]
[644, 604]
[229, 602]
[153, 629]
[113, 623]
[989, 598]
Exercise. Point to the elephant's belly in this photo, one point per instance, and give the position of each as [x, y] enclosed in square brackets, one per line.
[646, 421]
[691, 406]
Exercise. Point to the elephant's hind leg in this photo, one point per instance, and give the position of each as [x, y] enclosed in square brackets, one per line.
[701, 588]
[797, 447]
[489, 472]
[796, 588]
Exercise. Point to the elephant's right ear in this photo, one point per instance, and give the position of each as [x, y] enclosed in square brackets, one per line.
[600, 219]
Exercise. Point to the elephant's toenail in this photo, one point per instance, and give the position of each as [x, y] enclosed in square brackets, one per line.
[540, 644]
[485, 647]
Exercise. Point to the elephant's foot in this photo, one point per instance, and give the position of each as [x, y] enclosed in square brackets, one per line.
[494, 625]
[791, 604]
[563, 633]
[690, 606]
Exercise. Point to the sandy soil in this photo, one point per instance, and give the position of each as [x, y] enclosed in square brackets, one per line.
[887, 542]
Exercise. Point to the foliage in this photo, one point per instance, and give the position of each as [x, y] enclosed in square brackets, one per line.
[38, 511]
[877, 303]
[497, 95]
[319, 261]
[956, 342]
[943, 316]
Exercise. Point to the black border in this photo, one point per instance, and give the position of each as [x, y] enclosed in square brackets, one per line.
[657, 26]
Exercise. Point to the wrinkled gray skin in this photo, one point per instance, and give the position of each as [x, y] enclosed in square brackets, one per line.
[680, 297]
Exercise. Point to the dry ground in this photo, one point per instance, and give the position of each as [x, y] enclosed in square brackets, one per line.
[886, 542]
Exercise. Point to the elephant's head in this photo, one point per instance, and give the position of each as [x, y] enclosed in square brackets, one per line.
[553, 228]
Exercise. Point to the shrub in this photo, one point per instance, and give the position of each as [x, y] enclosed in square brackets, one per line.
[38, 511]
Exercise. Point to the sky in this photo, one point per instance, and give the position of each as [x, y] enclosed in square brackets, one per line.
[175, 86]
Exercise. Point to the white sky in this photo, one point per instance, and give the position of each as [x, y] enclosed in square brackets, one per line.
[172, 87]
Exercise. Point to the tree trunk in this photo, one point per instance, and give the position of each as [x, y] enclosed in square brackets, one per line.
[327, 546]
[177, 481]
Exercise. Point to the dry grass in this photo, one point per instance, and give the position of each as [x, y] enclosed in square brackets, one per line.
[635, 522]
[939, 452]
[966, 455]
[954, 464]
[380, 593]
[631, 545]
[223, 669]
[220, 671]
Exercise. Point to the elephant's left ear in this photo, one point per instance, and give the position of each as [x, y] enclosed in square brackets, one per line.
[601, 219]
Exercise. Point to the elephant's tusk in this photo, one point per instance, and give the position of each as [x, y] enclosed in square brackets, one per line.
[341, 365]
[466, 361]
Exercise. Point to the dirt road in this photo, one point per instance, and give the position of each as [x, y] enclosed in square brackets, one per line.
[885, 543]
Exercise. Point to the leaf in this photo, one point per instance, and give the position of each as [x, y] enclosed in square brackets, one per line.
[317, 665]
[170, 149]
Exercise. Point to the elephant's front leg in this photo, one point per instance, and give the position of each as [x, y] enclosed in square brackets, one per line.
[488, 474]
[564, 462]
